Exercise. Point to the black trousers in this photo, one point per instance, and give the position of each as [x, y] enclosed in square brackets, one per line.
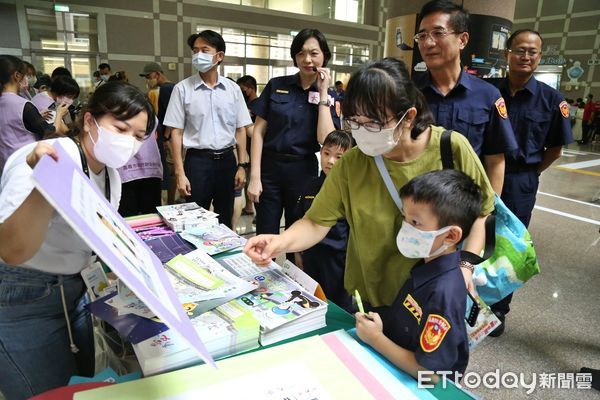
[141, 196]
[212, 181]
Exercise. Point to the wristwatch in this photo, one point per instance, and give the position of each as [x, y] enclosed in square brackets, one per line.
[466, 265]
[243, 164]
[324, 103]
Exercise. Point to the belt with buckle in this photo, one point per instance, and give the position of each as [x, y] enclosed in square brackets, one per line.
[214, 154]
[285, 156]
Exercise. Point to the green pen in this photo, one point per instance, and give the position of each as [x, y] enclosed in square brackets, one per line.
[359, 301]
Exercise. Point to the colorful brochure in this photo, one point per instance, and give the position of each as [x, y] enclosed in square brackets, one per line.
[214, 239]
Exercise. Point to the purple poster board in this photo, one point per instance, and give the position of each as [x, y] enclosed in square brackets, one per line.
[80, 203]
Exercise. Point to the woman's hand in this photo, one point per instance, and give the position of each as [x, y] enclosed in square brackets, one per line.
[323, 80]
[254, 190]
[39, 151]
[262, 248]
[62, 110]
[369, 327]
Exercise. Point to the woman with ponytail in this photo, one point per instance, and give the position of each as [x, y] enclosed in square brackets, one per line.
[45, 331]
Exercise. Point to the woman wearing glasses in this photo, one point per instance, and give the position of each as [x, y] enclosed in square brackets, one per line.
[388, 116]
[45, 332]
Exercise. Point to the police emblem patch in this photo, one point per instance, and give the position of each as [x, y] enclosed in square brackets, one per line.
[501, 107]
[434, 332]
[413, 307]
[564, 109]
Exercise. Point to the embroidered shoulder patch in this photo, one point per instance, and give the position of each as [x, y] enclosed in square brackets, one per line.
[501, 107]
[282, 91]
[413, 307]
[564, 109]
[434, 332]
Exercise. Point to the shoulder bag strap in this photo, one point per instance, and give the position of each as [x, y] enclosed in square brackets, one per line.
[387, 179]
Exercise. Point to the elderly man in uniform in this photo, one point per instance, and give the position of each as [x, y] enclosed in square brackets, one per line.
[540, 117]
[208, 115]
[457, 100]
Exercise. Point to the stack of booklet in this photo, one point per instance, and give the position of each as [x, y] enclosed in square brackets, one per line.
[285, 302]
[226, 330]
[184, 216]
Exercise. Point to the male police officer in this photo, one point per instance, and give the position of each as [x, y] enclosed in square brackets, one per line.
[460, 101]
[208, 115]
[540, 118]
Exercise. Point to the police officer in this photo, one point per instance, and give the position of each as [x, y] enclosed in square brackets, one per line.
[293, 115]
[540, 117]
[460, 101]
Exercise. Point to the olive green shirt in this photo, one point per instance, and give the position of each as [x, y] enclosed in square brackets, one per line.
[355, 190]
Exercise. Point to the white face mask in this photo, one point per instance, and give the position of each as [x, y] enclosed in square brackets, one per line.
[31, 80]
[203, 62]
[104, 77]
[415, 243]
[114, 149]
[64, 100]
[376, 143]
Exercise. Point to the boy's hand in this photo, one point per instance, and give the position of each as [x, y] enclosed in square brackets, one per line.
[368, 327]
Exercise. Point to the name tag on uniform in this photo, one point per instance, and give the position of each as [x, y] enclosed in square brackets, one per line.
[282, 91]
[314, 97]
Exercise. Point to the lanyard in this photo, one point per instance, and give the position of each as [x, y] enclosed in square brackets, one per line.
[86, 170]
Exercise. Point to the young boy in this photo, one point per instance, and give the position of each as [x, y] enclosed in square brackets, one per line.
[425, 328]
[325, 261]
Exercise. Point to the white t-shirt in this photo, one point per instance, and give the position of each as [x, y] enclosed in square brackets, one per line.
[63, 251]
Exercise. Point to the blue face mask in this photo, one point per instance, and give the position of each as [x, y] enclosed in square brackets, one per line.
[203, 62]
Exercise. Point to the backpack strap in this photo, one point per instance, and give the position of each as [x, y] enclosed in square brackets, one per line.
[446, 149]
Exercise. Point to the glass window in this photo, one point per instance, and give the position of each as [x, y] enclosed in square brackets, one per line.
[254, 51]
[233, 71]
[259, 72]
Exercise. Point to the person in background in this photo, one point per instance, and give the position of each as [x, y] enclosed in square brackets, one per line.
[208, 117]
[458, 100]
[248, 86]
[339, 89]
[539, 115]
[45, 330]
[43, 83]
[20, 121]
[293, 115]
[105, 73]
[119, 76]
[426, 328]
[589, 111]
[325, 262]
[578, 126]
[61, 71]
[29, 91]
[63, 90]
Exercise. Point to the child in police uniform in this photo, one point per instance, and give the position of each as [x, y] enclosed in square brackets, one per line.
[325, 261]
[424, 328]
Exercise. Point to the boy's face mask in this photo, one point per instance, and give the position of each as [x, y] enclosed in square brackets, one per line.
[415, 243]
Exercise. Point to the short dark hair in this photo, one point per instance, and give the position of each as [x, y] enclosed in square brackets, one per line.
[61, 71]
[211, 37]
[96, 74]
[8, 66]
[103, 66]
[338, 83]
[591, 96]
[43, 80]
[459, 16]
[385, 85]
[64, 86]
[29, 66]
[516, 33]
[302, 37]
[338, 138]
[120, 99]
[454, 198]
[247, 80]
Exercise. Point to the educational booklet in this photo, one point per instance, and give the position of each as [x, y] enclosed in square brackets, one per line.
[64, 185]
[485, 324]
[213, 239]
[283, 306]
[184, 216]
[226, 330]
[198, 278]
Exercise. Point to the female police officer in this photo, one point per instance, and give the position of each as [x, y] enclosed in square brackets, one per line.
[293, 115]
[45, 333]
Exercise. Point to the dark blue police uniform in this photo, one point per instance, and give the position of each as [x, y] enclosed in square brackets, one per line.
[290, 143]
[540, 117]
[428, 316]
[473, 108]
[325, 262]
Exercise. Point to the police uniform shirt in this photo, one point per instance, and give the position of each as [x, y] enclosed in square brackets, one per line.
[428, 316]
[539, 115]
[291, 118]
[474, 108]
[208, 116]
